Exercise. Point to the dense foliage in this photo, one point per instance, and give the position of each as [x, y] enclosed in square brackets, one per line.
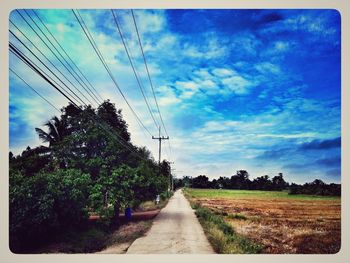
[238, 181]
[241, 181]
[89, 165]
[316, 187]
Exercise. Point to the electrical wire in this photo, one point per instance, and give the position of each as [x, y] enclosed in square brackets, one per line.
[94, 45]
[71, 60]
[35, 90]
[132, 66]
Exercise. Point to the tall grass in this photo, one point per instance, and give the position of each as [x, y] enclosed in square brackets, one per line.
[221, 235]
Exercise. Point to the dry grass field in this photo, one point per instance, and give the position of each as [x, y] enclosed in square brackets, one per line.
[282, 223]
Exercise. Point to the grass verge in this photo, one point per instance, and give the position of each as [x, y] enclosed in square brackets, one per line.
[221, 235]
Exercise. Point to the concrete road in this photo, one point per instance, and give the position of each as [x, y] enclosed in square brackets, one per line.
[175, 230]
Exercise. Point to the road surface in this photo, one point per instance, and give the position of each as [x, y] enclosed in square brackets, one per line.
[175, 230]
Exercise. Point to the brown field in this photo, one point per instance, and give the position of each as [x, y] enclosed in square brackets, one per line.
[282, 225]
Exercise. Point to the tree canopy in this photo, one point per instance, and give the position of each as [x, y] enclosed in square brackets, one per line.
[88, 165]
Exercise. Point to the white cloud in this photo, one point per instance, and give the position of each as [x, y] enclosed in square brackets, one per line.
[223, 72]
[187, 88]
[289, 136]
[208, 83]
[188, 85]
[267, 67]
[238, 85]
[203, 73]
[150, 20]
[209, 50]
[167, 97]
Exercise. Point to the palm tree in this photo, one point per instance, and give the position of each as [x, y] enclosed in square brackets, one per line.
[57, 129]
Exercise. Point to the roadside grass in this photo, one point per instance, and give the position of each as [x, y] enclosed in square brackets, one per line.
[222, 193]
[221, 235]
[237, 216]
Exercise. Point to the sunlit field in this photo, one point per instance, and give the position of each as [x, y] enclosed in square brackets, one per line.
[280, 222]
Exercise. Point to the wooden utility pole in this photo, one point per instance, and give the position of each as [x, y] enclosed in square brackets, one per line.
[160, 143]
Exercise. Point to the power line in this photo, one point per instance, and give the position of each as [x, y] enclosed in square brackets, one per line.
[132, 65]
[76, 96]
[34, 90]
[40, 53]
[120, 140]
[93, 44]
[48, 30]
[149, 78]
[66, 52]
[27, 61]
[35, 31]
[46, 77]
[33, 66]
[44, 74]
[148, 74]
[59, 53]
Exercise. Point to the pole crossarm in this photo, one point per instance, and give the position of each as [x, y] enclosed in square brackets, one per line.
[160, 138]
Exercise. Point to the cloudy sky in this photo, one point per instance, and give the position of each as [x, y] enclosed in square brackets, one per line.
[258, 90]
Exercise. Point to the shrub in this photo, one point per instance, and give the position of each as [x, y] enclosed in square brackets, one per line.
[45, 204]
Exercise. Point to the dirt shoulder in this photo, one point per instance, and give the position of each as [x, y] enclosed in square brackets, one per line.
[121, 239]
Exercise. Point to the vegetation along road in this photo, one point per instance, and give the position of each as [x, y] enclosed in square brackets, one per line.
[175, 230]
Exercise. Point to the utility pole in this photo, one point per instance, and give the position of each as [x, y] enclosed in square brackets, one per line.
[160, 144]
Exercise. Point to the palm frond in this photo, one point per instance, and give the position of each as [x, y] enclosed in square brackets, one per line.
[45, 137]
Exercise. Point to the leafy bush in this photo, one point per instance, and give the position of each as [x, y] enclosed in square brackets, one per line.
[44, 204]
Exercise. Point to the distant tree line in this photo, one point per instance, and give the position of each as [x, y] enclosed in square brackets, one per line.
[89, 165]
[317, 187]
[241, 181]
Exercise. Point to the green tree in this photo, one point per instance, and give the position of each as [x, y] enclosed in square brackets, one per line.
[57, 130]
[31, 161]
[90, 163]
[262, 183]
[278, 182]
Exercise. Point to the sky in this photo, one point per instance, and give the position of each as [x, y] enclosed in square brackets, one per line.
[258, 90]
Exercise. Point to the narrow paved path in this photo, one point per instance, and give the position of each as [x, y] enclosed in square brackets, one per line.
[175, 230]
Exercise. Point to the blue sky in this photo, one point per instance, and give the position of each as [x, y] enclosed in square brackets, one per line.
[258, 90]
